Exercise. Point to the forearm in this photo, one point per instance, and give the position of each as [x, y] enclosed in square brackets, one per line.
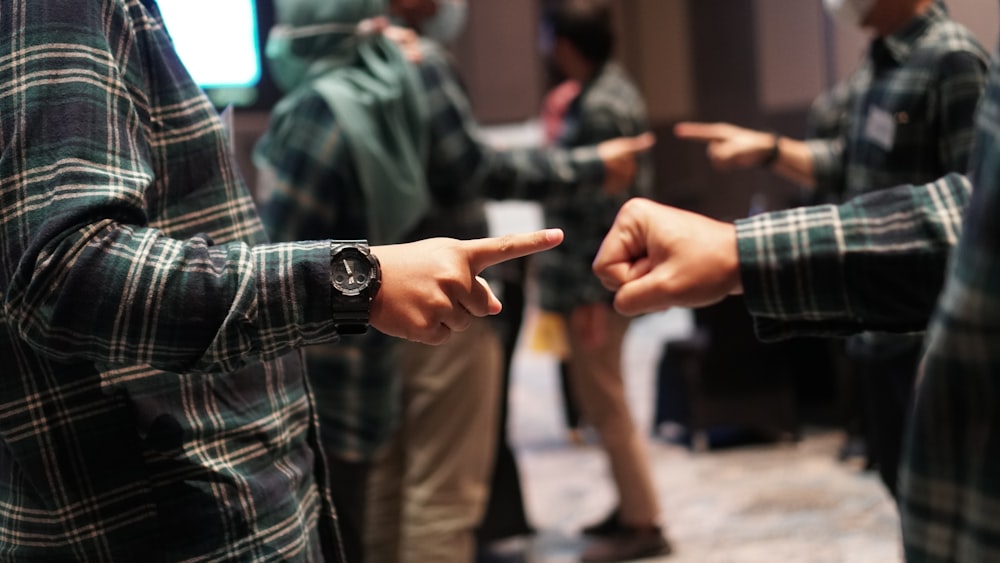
[537, 173]
[874, 263]
[118, 295]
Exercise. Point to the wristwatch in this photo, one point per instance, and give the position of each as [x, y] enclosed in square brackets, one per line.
[355, 276]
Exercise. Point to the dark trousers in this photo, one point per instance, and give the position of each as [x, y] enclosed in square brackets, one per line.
[348, 483]
[887, 380]
[505, 516]
[571, 412]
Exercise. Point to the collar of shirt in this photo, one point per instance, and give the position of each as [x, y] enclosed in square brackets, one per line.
[900, 44]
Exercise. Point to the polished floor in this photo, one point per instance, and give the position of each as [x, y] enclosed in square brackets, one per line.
[784, 502]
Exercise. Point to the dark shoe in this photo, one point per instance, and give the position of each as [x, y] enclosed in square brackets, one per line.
[632, 543]
[610, 526]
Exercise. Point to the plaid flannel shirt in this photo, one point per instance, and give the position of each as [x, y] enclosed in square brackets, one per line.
[608, 106]
[152, 404]
[911, 107]
[950, 479]
[879, 262]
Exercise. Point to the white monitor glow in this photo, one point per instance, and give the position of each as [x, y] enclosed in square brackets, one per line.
[216, 40]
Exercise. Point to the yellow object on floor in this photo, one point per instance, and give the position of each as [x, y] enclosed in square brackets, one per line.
[548, 335]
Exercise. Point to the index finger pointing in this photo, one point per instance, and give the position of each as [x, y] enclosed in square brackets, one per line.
[486, 252]
[694, 131]
[643, 142]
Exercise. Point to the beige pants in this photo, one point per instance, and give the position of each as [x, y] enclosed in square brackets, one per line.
[597, 384]
[428, 487]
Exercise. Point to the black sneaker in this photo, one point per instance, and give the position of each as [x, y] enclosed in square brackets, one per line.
[610, 526]
[630, 544]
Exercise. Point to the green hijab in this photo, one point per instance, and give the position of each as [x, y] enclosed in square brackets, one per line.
[375, 95]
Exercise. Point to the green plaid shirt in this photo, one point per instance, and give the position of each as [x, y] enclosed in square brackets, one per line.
[951, 476]
[879, 262]
[911, 107]
[909, 120]
[608, 106]
[151, 405]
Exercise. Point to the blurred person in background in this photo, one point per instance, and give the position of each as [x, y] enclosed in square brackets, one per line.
[554, 107]
[580, 45]
[910, 120]
[344, 157]
[430, 483]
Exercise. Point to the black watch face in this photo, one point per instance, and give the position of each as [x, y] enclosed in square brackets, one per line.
[350, 272]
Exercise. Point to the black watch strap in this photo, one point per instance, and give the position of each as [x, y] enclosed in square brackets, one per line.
[773, 153]
[350, 313]
[351, 322]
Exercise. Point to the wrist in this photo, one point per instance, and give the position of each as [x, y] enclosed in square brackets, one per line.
[773, 151]
[731, 262]
[355, 278]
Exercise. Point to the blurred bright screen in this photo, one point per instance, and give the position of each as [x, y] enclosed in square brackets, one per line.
[216, 40]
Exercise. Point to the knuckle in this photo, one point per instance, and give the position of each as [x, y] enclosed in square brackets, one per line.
[632, 205]
[505, 243]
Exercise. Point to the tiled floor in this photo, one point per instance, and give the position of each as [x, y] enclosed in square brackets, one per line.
[791, 502]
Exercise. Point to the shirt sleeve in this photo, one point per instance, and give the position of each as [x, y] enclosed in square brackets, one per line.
[960, 88]
[828, 148]
[460, 151]
[128, 241]
[876, 262]
[828, 164]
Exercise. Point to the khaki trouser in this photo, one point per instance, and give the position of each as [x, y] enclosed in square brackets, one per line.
[596, 380]
[429, 485]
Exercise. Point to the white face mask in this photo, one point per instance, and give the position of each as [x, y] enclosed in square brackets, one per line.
[849, 12]
[448, 22]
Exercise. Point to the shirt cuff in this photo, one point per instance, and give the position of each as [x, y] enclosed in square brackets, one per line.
[790, 265]
[588, 164]
[294, 297]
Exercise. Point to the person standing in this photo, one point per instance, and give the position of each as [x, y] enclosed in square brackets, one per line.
[910, 120]
[608, 105]
[430, 482]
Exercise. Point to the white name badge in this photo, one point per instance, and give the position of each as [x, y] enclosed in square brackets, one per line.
[880, 128]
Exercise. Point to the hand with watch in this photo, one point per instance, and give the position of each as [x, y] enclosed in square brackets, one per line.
[730, 147]
[424, 290]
